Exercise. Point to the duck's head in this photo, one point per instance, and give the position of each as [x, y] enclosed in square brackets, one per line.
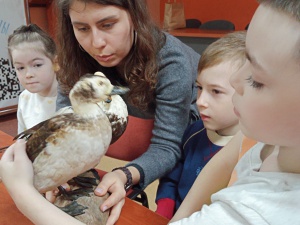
[93, 88]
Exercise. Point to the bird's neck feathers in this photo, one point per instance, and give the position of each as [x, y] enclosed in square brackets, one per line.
[86, 109]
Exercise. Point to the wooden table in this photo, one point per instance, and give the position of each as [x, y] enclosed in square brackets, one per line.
[5, 140]
[132, 212]
[194, 32]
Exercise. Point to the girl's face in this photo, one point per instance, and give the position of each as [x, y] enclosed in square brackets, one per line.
[104, 32]
[267, 97]
[34, 69]
[215, 99]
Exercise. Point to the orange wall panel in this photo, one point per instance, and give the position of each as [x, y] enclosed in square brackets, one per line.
[239, 12]
[38, 15]
[154, 8]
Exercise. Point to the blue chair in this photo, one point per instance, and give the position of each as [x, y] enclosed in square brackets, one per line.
[217, 25]
[192, 23]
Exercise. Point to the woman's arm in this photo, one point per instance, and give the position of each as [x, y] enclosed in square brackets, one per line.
[17, 175]
[175, 99]
[62, 99]
[214, 177]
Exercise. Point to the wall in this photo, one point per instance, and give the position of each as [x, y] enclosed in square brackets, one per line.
[154, 8]
[38, 15]
[239, 12]
[44, 16]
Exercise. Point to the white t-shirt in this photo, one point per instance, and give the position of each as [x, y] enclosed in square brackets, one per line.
[33, 109]
[257, 198]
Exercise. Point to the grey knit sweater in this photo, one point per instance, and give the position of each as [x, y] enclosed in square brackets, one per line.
[175, 108]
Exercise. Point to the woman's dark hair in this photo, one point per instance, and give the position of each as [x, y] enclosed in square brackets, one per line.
[140, 65]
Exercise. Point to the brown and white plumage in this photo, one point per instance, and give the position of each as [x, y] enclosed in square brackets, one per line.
[70, 144]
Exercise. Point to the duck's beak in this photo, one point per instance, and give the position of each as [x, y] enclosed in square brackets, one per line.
[118, 90]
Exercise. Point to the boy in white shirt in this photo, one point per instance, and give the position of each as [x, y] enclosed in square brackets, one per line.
[266, 100]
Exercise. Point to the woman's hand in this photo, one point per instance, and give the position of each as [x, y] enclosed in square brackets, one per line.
[16, 169]
[112, 182]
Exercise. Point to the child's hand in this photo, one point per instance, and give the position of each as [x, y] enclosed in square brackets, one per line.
[51, 195]
[15, 168]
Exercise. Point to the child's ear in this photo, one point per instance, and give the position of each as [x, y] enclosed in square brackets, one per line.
[56, 66]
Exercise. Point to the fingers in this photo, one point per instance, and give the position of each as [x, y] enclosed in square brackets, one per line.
[111, 183]
[9, 154]
[115, 213]
[116, 196]
[66, 186]
[51, 195]
[20, 151]
[113, 186]
[101, 189]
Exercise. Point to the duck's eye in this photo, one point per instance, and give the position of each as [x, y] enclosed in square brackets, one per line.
[101, 83]
[108, 100]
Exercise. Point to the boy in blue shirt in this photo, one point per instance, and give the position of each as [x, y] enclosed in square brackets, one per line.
[218, 123]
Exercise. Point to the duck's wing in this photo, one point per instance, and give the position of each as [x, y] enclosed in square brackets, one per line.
[38, 136]
[27, 133]
[117, 113]
[118, 126]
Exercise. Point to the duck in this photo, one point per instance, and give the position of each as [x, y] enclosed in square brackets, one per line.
[73, 141]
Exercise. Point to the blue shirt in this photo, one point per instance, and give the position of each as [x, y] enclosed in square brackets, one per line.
[198, 147]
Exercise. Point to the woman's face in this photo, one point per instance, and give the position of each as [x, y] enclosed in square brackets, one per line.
[105, 32]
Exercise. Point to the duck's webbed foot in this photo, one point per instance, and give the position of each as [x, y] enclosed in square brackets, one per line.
[81, 202]
[74, 209]
[88, 179]
[82, 185]
[74, 194]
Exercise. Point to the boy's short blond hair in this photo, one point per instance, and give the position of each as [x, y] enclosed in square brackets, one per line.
[230, 48]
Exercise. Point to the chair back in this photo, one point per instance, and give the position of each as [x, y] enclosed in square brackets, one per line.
[192, 23]
[217, 25]
[135, 140]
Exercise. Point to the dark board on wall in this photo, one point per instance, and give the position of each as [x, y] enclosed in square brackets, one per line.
[12, 15]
